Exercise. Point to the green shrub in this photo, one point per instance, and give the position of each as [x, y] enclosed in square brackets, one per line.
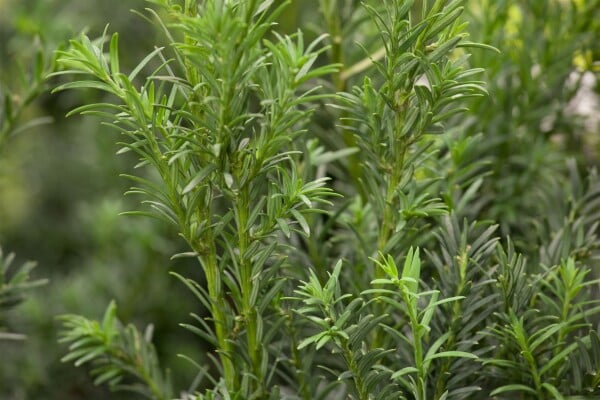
[370, 222]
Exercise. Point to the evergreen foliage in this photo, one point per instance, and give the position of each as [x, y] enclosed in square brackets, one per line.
[382, 207]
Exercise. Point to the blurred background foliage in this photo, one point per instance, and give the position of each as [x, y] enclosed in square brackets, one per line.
[60, 193]
[60, 196]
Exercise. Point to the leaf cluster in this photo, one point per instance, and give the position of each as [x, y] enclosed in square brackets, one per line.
[275, 156]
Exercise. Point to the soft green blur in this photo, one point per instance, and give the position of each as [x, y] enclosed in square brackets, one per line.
[60, 199]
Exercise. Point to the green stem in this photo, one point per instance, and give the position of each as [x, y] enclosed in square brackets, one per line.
[208, 252]
[563, 331]
[536, 377]
[395, 169]
[208, 260]
[388, 224]
[518, 330]
[570, 287]
[389, 218]
[418, 344]
[441, 383]
[249, 311]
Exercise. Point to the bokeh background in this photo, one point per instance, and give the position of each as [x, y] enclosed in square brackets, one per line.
[60, 199]
[61, 194]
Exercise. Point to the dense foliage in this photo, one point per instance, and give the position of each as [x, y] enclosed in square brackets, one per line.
[370, 200]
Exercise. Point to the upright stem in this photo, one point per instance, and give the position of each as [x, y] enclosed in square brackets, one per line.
[418, 345]
[443, 375]
[536, 377]
[398, 148]
[389, 218]
[207, 252]
[209, 262]
[249, 312]
[522, 338]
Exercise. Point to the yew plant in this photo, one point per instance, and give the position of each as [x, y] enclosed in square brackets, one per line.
[319, 181]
